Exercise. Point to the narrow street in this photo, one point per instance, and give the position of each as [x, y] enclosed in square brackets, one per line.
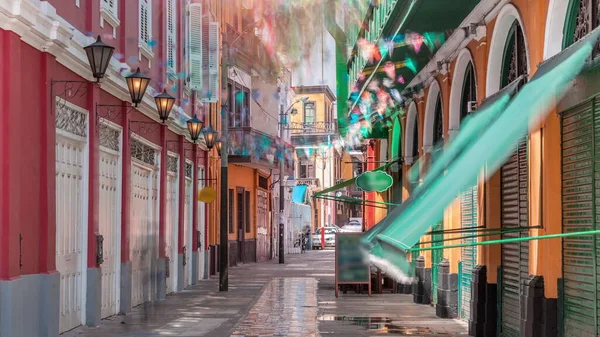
[267, 299]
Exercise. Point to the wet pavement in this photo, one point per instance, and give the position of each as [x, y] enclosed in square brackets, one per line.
[269, 299]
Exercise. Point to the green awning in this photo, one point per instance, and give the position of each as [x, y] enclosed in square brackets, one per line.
[369, 203]
[510, 90]
[350, 181]
[490, 150]
[558, 59]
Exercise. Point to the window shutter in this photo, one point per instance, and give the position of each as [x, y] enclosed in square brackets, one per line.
[110, 6]
[195, 50]
[144, 22]
[171, 37]
[210, 62]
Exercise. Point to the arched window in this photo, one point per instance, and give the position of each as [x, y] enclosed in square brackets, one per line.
[415, 148]
[438, 124]
[515, 56]
[469, 91]
[583, 17]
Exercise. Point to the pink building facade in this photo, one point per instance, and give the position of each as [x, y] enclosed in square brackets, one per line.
[98, 205]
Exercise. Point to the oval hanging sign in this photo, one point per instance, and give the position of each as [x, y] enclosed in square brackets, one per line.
[207, 195]
[374, 181]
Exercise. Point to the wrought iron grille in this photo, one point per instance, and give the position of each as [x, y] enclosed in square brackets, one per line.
[143, 152]
[172, 164]
[587, 18]
[188, 170]
[515, 57]
[469, 92]
[438, 135]
[109, 137]
[71, 120]
[415, 149]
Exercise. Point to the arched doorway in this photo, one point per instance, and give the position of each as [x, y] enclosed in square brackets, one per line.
[468, 205]
[437, 236]
[514, 181]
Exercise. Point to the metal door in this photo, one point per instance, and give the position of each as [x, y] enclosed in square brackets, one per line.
[71, 224]
[110, 222]
[515, 256]
[579, 189]
[437, 255]
[141, 233]
[172, 228]
[187, 234]
[468, 211]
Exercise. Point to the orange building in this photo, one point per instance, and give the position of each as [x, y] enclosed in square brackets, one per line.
[528, 288]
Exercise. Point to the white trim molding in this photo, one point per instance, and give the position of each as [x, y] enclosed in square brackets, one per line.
[456, 89]
[38, 25]
[555, 25]
[411, 118]
[432, 95]
[507, 16]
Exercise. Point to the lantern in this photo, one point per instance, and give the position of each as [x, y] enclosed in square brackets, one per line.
[99, 55]
[137, 84]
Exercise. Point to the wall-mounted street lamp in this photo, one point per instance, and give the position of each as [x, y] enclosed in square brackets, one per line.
[219, 146]
[210, 137]
[195, 127]
[99, 55]
[164, 105]
[137, 84]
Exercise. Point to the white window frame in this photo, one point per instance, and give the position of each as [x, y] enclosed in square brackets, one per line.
[145, 49]
[186, 50]
[171, 47]
[110, 15]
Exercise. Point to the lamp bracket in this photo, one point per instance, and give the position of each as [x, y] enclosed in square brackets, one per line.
[186, 146]
[141, 128]
[111, 111]
[67, 89]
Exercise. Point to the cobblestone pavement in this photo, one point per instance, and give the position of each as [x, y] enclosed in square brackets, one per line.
[269, 299]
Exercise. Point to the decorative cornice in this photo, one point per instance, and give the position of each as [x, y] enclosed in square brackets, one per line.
[38, 25]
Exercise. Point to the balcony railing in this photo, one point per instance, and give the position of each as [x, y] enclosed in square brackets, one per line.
[248, 143]
[308, 182]
[315, 127]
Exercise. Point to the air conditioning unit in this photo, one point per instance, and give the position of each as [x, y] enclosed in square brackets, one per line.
[471, 106]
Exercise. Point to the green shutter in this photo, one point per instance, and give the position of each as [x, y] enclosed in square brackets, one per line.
[515, 256]
[468, 210]
[579, 190]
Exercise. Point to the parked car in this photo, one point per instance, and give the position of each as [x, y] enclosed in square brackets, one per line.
[329, 237]
[352, 227]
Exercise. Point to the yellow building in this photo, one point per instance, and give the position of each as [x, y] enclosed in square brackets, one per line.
[314, 133]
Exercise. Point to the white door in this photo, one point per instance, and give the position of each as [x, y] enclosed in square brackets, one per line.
[172, 229]
[187, 234]
[71, 223]
[154, 225]
[201, 225]
[140, 235]
[110, 229]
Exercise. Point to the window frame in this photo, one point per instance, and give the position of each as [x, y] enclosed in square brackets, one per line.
[145, 48]
[171, 32]
[314, 112]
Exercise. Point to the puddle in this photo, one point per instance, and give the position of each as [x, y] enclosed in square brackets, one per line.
[385, 325]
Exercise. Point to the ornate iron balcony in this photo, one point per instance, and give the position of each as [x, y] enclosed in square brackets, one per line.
[308, 182]
[315, 127]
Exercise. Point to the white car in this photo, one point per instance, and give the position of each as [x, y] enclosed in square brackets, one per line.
[329, 237]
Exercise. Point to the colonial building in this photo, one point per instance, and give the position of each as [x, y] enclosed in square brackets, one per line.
[544, 287]
[101, 207]
[313, 133]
